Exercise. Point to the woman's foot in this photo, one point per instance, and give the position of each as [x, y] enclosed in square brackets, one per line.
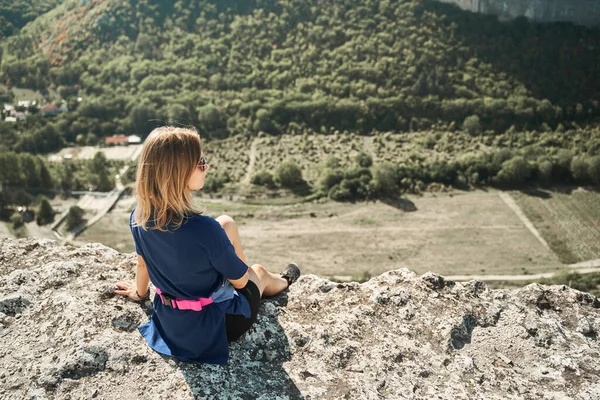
[291, 273]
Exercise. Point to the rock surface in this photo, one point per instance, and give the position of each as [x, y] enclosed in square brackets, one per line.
[64, 335]
[584, 12]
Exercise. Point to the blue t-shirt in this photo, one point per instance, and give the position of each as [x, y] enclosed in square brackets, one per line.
[192, 261]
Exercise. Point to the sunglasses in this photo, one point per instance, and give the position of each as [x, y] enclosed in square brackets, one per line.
[203, 164]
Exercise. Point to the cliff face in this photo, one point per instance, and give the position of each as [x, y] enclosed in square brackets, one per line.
[63, 334]
[584, 12]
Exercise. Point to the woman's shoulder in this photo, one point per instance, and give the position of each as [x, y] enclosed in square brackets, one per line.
[204, 221]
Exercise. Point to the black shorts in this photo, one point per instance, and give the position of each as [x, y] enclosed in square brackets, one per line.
[237, 325]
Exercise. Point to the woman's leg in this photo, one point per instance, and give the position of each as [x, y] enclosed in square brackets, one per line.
[268, 283]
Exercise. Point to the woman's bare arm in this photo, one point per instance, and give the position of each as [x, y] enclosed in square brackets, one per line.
[241, 282]
[128, 288]
[141, 276]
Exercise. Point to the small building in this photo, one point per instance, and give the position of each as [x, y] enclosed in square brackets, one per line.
[49, 110]
[25, 103]
[116, 140]
[134, 139]
[10, 119]
[9, 109]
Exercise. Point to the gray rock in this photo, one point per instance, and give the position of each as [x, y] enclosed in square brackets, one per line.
[63, 334]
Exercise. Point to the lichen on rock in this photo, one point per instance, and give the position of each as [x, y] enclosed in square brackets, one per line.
[63, 334]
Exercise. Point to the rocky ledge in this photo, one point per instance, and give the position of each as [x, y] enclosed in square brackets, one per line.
[64, 334]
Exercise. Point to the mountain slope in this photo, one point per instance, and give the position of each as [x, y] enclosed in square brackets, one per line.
[277, 66]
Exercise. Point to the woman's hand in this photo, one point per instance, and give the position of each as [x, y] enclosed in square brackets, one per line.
[128, 289]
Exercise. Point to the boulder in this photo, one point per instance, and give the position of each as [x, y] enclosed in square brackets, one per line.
[64, 334]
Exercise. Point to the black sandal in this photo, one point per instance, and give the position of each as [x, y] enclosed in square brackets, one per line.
[291, 273]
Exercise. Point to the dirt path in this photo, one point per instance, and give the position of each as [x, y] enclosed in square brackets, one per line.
[252, 159]
[529, 277]
[510, 202]
[369, 148]
[516, 277]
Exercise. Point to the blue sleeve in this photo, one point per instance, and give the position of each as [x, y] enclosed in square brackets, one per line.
[222, 254]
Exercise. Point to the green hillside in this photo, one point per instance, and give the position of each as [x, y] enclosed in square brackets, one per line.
[443, 96]
[233, 67]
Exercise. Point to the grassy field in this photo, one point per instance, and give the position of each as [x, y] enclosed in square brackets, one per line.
[456, 233]
[87, 152]
[28, 94]
[568, 221]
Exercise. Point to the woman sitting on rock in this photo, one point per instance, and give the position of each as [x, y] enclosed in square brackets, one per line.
[206, 295]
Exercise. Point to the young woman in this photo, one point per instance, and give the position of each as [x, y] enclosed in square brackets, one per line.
[206, 295]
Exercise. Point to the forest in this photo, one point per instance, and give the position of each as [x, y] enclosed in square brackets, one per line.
[291, 67]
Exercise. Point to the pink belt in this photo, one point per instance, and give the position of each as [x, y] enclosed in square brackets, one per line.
[194, 305]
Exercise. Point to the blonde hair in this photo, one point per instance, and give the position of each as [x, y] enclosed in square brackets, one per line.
[169, 157]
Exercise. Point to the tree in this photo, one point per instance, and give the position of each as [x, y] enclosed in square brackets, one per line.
[216, 181]
[579, 169]
[263, 178]
[288, 175]
[10, 173]
[594, 170]
[178, 113]
[364, 160]
[385, 181]
[19, 198]
[141, 116]
[472, 124]
[98, 163]
[74, 217]
[329, 178]
[30, 167]
[514, 171]
[545, 171]
[17, 220]
[45, 214]
[211, 120]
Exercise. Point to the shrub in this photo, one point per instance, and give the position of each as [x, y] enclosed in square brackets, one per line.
[178, 113]
[579, 169]
[514, 171]
[18, 198]
[339, 193]
[545, 171]
[385, 181]
[562, 166]
[263, 178]
[74, 217]
[355, 185]
[594, 170]
[583, 282]
[46, 213]
[288, 175]
[16, 220]
[364, 159]
[332, 162]
[442, 172]
[499, 157]
[211, 120]
[472, 124]
[329, 178]
[215, 181]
